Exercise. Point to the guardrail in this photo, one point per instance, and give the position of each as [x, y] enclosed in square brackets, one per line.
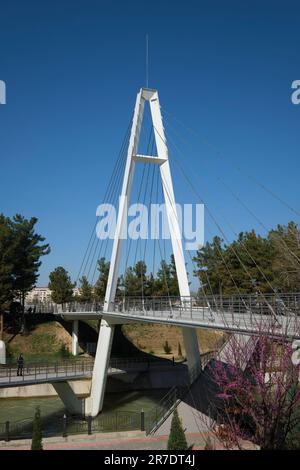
[279, 304]
[70, 425]
[43, 372]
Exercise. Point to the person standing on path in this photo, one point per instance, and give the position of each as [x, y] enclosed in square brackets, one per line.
[20, 363]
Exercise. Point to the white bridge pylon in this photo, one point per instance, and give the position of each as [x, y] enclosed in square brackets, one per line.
[94, 403]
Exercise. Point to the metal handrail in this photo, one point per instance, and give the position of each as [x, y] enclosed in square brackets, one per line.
[80, 368]
[261, 302]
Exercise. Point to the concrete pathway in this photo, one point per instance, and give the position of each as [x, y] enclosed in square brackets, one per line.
[133, 440]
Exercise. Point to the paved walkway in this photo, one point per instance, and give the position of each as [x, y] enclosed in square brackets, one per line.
[132, 440]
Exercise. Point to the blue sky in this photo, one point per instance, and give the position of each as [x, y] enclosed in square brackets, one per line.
[72, 70]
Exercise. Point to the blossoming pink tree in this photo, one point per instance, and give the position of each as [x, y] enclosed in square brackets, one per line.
[258, 393]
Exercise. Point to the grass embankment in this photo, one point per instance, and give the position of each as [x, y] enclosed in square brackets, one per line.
[151, 338]
[43, 342]
[50, 341]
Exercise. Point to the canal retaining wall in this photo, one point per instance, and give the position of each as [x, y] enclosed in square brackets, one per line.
[159, 378]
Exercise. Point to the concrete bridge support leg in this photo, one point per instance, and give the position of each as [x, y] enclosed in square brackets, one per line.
[191, 348]
[73, 404]
[94, 402]
[75, 347]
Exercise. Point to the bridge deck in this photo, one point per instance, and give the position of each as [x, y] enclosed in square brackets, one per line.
[246, 323]
[248, 314]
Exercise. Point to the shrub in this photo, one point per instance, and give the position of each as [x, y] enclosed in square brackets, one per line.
[177, 440]
[179, 350]
[63, 351]
[167, 348]
[208, 444]
[36, 443]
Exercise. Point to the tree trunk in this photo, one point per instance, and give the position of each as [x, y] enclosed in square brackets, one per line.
[23, 312]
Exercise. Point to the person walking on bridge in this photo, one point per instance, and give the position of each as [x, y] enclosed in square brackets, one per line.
[20, 363]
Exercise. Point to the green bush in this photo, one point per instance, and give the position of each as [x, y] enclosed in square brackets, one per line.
[177, 440]
[63, 351]
[167, 348]
[36, 443]
[208, 444]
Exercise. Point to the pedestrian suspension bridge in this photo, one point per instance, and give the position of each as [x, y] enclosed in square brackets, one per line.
[278, 315]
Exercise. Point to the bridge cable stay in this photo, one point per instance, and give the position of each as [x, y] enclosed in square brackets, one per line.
[154, 251]
[138, 244]
[245, 248]
[161, 252]
[221, 254]
[114, 202]
[194, 266]
[143, 257]
[220, 229]
[240, 295]
[139, 192]
[114, 192]
[243, 204]
[248, 253]
[140, 199]
[218, 154]
[94, 258]
[176, 215]
[112, 179]
[148, 188]
[204, 290]
[225, 263]
[129, 244]
[239, 259]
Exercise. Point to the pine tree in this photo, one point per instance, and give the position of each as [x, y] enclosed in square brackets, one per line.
[61, 286]
[86, 290]
[100, 286]
[27, 248]
[286, 243]
[36, 443]
[177, 439]
[6, 265]
[173, 287]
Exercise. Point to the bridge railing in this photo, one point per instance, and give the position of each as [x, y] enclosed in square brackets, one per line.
[279, 304]
[35, 372]
[261, 303]
[66, 425]
[45, 371]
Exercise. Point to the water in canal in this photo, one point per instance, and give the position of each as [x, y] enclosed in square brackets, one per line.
[52, 408]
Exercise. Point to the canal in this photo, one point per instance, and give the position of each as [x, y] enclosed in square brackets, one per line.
[120, 410]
